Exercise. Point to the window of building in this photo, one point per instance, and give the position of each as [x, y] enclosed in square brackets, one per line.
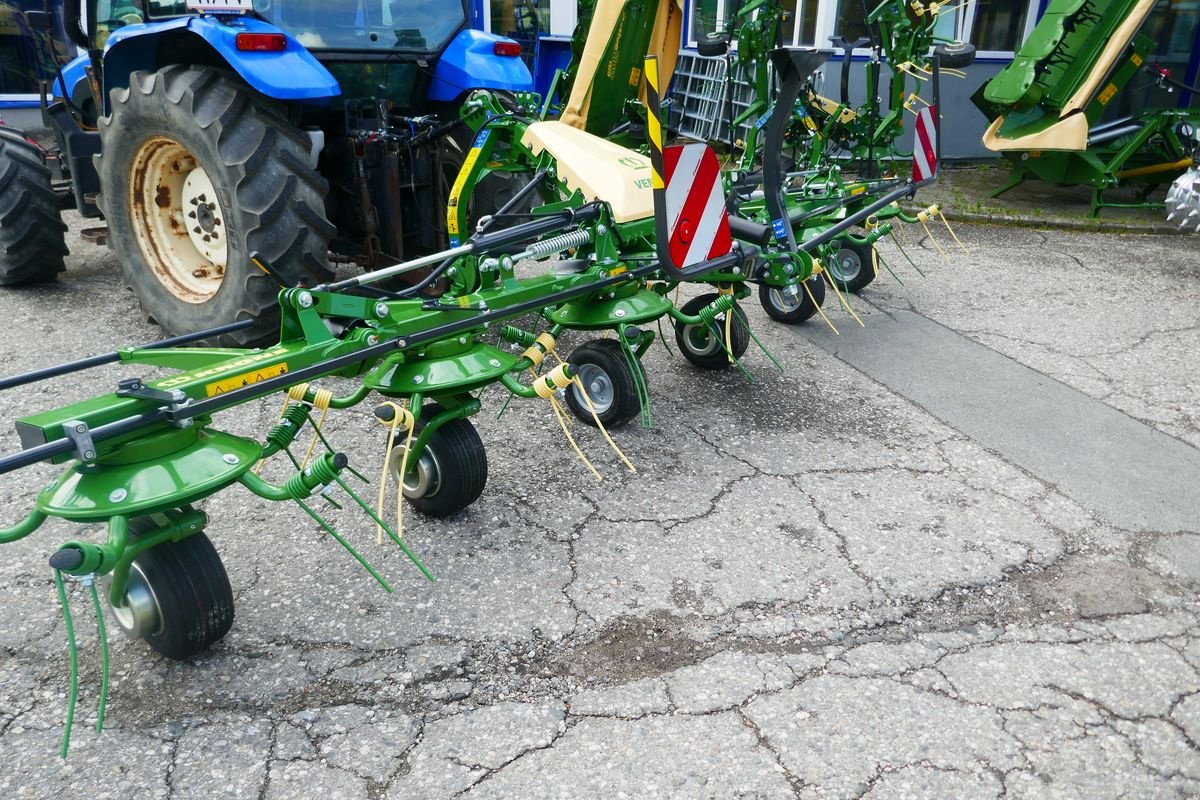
[708, 16]
[999, 25]
[800, 29]
[851, 20]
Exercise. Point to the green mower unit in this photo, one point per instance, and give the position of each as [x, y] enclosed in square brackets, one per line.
[1046, 107]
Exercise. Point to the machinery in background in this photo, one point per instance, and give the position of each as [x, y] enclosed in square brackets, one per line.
[1047, 107]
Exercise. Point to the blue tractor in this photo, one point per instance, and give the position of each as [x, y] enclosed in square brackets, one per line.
[204, 131]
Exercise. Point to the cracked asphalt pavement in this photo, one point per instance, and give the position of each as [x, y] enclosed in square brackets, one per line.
[876, 575]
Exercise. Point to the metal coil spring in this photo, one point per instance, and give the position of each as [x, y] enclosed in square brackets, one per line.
[556, 244]
[719, 306]
[320, 472]
[288, 428]
[511, 333]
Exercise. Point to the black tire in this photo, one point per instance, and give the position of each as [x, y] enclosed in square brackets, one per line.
[189, 593]
[701, 346]
[713, 44]
[452, 470]
[796, 310]
[851, 266]
[32, 233]
[609, 380]
[169, 136]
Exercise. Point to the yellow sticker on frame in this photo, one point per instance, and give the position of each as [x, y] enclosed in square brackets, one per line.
[245, 379]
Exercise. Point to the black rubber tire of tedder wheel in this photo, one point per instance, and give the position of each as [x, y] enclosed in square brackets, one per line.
[851, 267]
[192, 591]
[452, 470]
[702, 347]
[32, 233]
[604, 368]
[780, 309]
[268, 199]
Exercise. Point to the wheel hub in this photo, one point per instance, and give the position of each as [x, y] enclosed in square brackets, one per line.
[423, 479]
[141, 616]
[786, 299]
[177, 220]
[845, 266]
[700, 340]
[599, 387]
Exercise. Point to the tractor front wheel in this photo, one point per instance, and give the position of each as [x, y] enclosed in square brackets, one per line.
[198, 172]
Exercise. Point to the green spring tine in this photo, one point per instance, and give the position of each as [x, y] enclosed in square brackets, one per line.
[328, 529]
[662, 337]
[639, 381]
[324, 441]
[889, 269]
[356, 473]
[718, 330]
[73, 693]
[288, 452]
[903, 253]
[103, 631]
[845, 288]
[504, 407]
[371, 513]
[742, 316]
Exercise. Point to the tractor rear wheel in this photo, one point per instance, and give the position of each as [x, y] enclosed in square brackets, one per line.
[32, 234]
[197, 172]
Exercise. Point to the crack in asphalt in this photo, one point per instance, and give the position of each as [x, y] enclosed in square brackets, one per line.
[490, 772]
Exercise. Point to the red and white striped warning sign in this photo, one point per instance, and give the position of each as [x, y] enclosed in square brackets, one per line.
[925, 145]
[696, 217]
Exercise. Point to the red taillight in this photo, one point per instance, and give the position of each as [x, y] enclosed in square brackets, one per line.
[506, 49]
[262, 42]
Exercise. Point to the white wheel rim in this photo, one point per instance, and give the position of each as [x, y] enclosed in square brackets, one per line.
[785, 302]
[141, 616]
[845, 266]
[177, 220]
[424, 478]
[700, 339]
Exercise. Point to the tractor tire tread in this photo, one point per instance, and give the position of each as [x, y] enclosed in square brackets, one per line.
[279, 197]
[32, 234]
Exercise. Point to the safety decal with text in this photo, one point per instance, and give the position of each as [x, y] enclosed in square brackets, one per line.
[245, 379]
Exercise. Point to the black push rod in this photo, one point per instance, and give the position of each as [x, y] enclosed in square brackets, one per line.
[108, 358]
[61, 447]
[849, 222]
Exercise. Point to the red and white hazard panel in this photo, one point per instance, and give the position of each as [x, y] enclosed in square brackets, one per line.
[925, 145]
[696, 217]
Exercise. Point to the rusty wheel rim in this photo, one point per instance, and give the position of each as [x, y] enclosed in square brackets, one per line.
[177, 220]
